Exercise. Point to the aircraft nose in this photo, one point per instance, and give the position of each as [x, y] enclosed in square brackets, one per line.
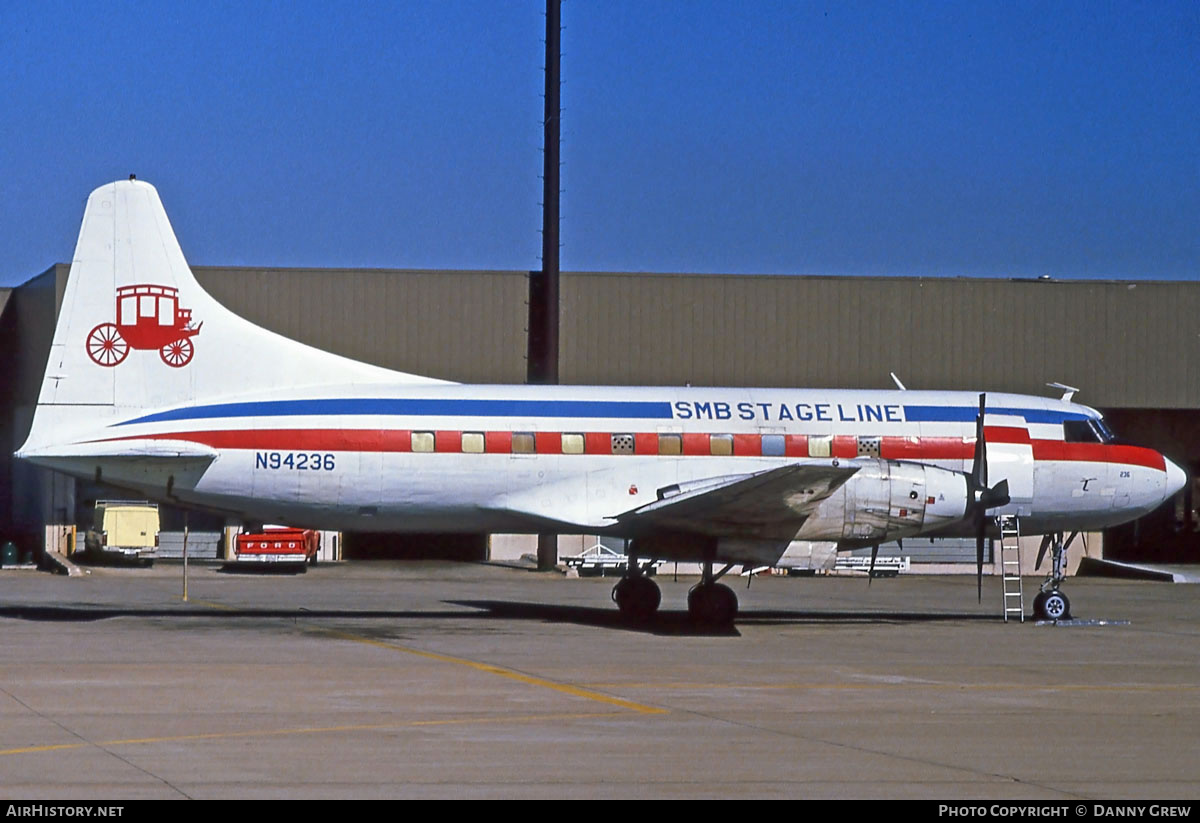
[1176, 479]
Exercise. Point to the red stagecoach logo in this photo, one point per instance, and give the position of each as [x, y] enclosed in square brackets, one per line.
[148, 318]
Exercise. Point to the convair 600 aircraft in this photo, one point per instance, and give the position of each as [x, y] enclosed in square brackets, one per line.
[153, 386]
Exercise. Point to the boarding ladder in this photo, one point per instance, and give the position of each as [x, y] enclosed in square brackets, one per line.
[1010, 567]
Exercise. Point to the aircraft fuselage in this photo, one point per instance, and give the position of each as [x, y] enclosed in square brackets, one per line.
[523, 458]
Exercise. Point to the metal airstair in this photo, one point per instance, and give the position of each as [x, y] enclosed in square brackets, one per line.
[1010, 568]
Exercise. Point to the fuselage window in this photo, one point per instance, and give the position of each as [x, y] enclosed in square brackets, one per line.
[720, 444]
[670, 444]
[820, 445]
[523, 443]
[572, 444]
[772, 445]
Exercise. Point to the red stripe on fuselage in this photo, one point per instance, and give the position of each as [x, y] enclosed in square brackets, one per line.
[1098, 453]
[745, 445]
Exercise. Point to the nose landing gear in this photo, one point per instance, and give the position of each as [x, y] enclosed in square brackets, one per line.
[1050, 603]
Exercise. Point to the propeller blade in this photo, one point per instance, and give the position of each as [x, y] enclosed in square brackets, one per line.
[980, 494]
[980, 533]
[871, 571]
[1042, 550]
[979, 471]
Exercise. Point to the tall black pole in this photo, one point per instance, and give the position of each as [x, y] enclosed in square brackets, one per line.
[542, 360]
[542, 364]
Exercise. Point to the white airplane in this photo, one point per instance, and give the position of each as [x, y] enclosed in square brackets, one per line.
[154, 386]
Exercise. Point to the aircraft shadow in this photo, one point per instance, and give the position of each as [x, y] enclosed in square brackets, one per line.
[76, 614]
[679, 623]
[666, 622]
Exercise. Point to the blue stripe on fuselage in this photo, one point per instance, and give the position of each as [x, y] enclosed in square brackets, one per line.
[967, 414]
[623, 409]
[467, 407]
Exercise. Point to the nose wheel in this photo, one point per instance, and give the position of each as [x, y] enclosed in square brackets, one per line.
[1051, 605]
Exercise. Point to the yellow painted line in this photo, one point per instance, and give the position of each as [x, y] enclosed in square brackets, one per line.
[915, 684]
[487, 668]
[500, 671]
[213, 605]
[464, 721]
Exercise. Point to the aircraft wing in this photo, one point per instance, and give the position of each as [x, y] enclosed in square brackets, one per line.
[770, 505]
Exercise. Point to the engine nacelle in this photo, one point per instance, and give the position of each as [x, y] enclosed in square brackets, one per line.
[887, 500]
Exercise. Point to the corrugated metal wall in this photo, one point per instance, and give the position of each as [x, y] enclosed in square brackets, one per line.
[1122, 344]
[1131, 345]
[459, 325]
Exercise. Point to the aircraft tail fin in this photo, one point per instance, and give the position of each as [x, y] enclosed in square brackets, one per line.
[136, 331]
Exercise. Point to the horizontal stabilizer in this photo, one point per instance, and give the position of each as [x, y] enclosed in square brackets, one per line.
[146, 466]
[116, 449]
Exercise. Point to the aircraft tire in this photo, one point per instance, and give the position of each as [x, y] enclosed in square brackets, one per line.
[1039, 605]
[1054, 606]
[637, 598]
[712, 604]
[1057, 606]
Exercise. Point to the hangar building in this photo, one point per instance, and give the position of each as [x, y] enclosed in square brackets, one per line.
[1130, 346]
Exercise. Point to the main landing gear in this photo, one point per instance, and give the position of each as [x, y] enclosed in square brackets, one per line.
[637, 596]
[710, 603]
[1050, 603]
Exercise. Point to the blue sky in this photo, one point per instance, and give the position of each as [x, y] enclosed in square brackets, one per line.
[1010, 139]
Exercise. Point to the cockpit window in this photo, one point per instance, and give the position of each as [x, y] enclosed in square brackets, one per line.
[1087, 431]
[1106, 434]
[1079, 431]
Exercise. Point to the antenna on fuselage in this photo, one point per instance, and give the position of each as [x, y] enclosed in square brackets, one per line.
[896, 380]
[1068, 391]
